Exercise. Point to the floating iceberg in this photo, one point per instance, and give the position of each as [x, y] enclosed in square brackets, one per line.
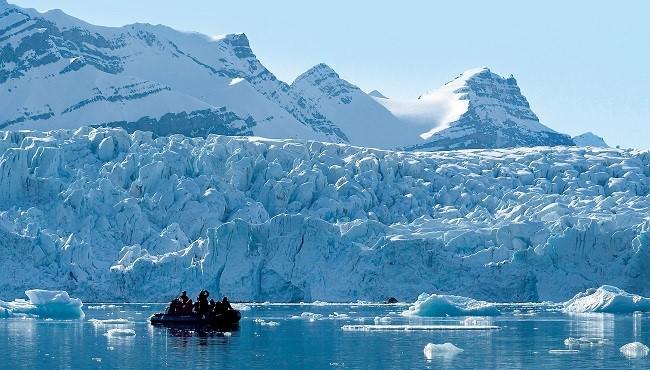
[263, 322]
[434, 305]
[635, 350]
[432, 350]
[584, 341]
[120, 333]
[44, 304]
[607, 299]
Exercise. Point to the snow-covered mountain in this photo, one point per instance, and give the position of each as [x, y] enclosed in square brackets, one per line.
[109, 215]
[590, 139]
[478, 109]
[57, 71]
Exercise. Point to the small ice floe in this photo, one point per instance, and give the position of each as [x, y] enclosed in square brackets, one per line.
[98, 322]
[309, 316]
[608, 299]
[440, 305]
[263, 322]
[635, 350]
[432, 350]
[103, 307]
[44, 304]
[416, 327]
[241, 306]
[227, 334]
[584, 341]
[120, 333]
[97, 359]
[563, 351]
[475, 321]
[383, 320]
[338, 316]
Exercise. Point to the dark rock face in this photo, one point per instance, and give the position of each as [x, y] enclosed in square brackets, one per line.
[198, 123]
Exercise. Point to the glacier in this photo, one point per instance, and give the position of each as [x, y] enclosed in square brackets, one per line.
[109, 215]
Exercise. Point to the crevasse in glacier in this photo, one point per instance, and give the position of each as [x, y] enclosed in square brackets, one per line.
[109, 215]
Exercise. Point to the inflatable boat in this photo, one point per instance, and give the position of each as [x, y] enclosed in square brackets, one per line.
[227, 319]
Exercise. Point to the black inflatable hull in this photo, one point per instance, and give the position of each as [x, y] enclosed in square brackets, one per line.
[228, 319]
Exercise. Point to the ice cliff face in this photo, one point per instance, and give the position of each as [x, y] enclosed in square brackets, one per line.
[109, 215]
[57, 71]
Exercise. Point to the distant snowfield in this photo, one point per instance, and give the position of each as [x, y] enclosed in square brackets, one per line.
[111, 216]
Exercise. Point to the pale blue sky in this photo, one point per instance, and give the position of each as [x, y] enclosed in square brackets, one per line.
[583, 65]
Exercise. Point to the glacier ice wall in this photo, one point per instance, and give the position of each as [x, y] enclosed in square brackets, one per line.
[109, 215]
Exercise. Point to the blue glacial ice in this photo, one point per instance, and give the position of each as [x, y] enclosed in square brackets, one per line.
[44, 304]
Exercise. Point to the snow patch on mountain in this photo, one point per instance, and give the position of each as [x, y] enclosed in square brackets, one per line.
[377, 94]
[108, 215]
[364, 121]
[590, 139]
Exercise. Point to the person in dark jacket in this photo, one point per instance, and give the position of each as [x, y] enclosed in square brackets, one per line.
[203, 304]
[226, 304]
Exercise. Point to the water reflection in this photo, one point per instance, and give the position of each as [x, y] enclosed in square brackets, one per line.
[595, 325]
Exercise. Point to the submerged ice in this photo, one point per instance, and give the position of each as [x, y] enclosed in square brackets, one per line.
[432, 350]
[44, 304]
[435, 305]
[108, 215]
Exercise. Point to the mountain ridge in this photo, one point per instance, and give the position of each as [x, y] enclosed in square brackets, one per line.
[57, 71]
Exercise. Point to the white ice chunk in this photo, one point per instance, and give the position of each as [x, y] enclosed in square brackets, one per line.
[309, 316]
[120, 333]
[432, 350]
[45, 304]
[584, 341]
[110, 322]
[382, 320]
[417, 327]
[263, 322]
[635, 350]
[563, 351]
[434, 305]
[608, 299]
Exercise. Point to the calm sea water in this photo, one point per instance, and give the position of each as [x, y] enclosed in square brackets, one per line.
[526, 334]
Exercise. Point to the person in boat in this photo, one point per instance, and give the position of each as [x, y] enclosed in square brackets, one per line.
[174, 306]
[218, 308]
[203, 306]
[183, 297]
[226, 304]
[187, 307]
